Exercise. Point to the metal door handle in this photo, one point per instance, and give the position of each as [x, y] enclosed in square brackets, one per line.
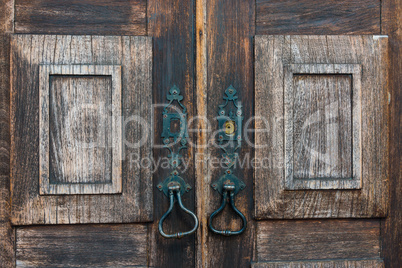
[231, 189]
[175, 188]
[230, 122]
[174, 184]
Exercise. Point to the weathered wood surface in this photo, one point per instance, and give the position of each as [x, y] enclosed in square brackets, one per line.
[80, 129]
[318, 17]
[115, 17]
[317, 240]
[124, 245]
[391, 227]
[229, 31]
[171, 24]
[6, 231]
[365, 263]
[272, 53]
[6, 16]
[201, 126]
[322, 126]
[80, 164]
[134, 54]
[322, 99]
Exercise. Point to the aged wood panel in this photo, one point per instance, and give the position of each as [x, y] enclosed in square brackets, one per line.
[134, 54]
[272, 53]
[116, 17]
[317, 240]
[80, 131]
[122, 245]
[316, 96]
[6, 231]
[318, 17]
[6, 16]
[87, 100]
[171, 24]
[391, 227]
[366, 263]
[229, 31]
[337, 142]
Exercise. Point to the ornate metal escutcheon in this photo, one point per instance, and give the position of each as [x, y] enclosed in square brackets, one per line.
[174, 185]
[230, 119]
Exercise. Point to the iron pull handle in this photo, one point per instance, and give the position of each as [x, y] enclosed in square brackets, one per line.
[172, 191]
[231, 190]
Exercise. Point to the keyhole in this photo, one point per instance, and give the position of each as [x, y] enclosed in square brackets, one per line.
[229, 127]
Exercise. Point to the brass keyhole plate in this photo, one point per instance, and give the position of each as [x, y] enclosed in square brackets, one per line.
[230, 127]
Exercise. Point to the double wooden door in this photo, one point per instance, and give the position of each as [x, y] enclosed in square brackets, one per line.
[314, 86]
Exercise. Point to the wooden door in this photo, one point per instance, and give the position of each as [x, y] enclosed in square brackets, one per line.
[319, 88]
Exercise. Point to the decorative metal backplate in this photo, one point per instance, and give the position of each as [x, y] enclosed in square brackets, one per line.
[230, 123]
[174, 141]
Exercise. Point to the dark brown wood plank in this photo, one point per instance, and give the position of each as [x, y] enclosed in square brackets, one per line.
[171, 24]
[318, 17]
[82, 246]
[6, 231]
[366, 263]
[391, 227]
[134, 54]
[229, 31]
[106, 17]
[318, 240]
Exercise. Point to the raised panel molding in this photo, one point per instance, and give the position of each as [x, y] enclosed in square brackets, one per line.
[60, 85]
[321, 94]
[80, 130]
[327, 161]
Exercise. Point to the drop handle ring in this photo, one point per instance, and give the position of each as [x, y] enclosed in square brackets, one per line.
[175, 189]
[231, 190]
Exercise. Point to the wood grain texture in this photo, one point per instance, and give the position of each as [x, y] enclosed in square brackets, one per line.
[334, 145]
[317, 96]
[116, 17]
[6, 16]
[366, 263]
[134, 54]
[272, 53]
[318, 17]
[6, 231]
[229, 31]
[391, 227]
[201, 126]
[86, 99]
[80, 131]
[171, 24]
[317, 240]
[122, 245]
